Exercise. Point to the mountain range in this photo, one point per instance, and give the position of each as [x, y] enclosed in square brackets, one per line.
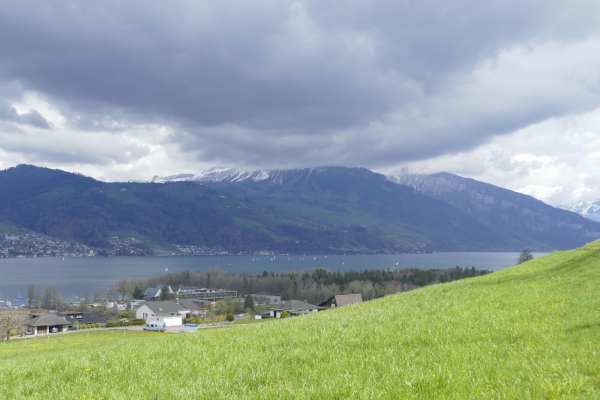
[315, 210]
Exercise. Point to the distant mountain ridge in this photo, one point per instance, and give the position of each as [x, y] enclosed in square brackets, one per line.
[521, 216]
[520, 220]
[587, 209]
[310, 210]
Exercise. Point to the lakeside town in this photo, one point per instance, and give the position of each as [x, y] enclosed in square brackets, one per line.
[32, 245]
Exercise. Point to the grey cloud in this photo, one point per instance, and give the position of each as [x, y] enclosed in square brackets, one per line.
[32, 117]
[269, 83]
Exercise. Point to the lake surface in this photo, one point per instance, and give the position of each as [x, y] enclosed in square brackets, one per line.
[76, 275]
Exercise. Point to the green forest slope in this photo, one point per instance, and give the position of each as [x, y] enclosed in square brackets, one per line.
[531, 331]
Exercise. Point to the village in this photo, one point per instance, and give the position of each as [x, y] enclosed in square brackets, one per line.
[13, 245]
[182, 310]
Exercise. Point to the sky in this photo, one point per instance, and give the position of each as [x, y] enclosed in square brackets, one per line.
[506, 92]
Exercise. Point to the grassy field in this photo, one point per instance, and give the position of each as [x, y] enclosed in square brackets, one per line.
[528, 332]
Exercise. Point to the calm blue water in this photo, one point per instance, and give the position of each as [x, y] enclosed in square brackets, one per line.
[77, 275]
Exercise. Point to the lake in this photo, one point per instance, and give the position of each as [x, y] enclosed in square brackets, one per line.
[76, 275]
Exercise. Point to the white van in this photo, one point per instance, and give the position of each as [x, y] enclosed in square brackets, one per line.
[156, 326]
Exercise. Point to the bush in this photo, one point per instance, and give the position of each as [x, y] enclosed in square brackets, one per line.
[230, 317]
[119, 323]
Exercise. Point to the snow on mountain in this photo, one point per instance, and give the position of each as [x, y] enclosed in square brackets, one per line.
[172, 178]
[216, 174]
[234, 175]
[587, 209]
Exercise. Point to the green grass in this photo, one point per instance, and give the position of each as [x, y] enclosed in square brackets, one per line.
[528, 332]
[131, 234]
[9, 229]
[249, 321]
[62, 191]
[116, 193]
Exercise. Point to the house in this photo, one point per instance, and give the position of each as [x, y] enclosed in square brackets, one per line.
[47, 323]
[169, 312]
[113, 304]
[342, 300]
[212, 295]
[265, 299]
[293, 307]
[153, 294]
[133, 303]
[80, 317]
[196, 308]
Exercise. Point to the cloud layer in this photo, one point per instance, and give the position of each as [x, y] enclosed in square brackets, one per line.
[126, 90]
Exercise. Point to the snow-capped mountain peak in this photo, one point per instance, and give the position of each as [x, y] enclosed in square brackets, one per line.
[587, 209]
[216, 174]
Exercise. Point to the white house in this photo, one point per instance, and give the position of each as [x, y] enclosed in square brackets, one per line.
[168, 312]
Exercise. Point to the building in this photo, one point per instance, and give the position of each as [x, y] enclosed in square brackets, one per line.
[169, 312]
[265, 299]
[47, 323]
[196, 308]
[81, 318]
[294, 307]
[193, 293]
[341, 300]
[153, 294]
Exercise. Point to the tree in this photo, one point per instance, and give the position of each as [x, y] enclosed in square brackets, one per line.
[10, 320]
[138, 293]
[164, 293]
[230, 317]
[524, 256]
[284, 314]
[249, 303]
[31, 293]
[124, 287]
[221, 307]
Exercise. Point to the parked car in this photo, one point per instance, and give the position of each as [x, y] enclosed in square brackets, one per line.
[156, 326]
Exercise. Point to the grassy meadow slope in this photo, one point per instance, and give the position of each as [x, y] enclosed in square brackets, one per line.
[532, 331]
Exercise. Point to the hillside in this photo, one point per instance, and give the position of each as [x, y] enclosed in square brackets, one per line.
[319, 210]
[517, 217]
[337, 210]
[360, 200]
[74, 207]
[531, 331]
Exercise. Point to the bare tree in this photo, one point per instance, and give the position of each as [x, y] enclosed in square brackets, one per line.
[10, 320]
[124, 287]
[31, 293]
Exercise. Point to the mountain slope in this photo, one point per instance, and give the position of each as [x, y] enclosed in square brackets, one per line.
[357, 196]
[527, 332]
[72, 206]
[518, 217]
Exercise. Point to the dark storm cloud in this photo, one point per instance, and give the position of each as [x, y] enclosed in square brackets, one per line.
[31, 117]
[347, 82]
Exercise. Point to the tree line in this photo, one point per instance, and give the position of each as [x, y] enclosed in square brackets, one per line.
[313, 286]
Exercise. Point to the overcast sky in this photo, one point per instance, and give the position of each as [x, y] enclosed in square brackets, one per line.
[507, 92]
